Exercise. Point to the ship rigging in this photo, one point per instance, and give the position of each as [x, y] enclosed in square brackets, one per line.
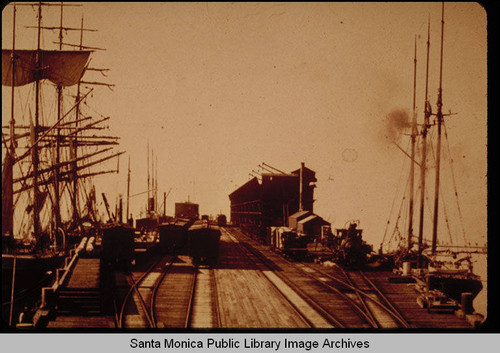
[438, 263]
[48, 199]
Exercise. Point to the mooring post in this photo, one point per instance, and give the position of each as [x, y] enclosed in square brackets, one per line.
[466, 303]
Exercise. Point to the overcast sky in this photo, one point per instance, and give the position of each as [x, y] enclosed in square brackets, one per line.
[218, 88]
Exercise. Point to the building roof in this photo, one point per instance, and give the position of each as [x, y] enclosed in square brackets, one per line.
[308, 173]
[251, 187]
[312, 218]
[299, 214]
[308, 219]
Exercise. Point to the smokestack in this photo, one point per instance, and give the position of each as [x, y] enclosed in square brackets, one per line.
[301, 186]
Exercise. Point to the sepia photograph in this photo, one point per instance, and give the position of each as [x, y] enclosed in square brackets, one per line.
[231, 167]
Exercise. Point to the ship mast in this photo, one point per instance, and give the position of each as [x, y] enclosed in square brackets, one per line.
[128, 188]
[425, 128]
[35, 148]
[147, 203]
[57, 207]
[152, 181]
[7, 175]
[413, 140]
[439, 116]
[7, 199]
[12, 115]
[76, 141]
[156, 183]
[34, 71]
[74, 150]
[35, 156]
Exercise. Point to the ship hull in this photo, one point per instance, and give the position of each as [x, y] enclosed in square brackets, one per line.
[30, 269]
[31, 261]
[32, 272]
[454, 286]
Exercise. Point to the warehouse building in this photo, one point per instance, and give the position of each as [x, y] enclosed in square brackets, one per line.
[272, 200]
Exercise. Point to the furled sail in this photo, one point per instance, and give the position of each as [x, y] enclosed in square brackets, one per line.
[64, 68]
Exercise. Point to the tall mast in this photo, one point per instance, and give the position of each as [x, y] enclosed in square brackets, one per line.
[413, 140]
[128, 188]
[425, 128]
[152, 180]
[75, 140]
[7, 198]
[147, 161]
[34, 152]
[156, 183]
[7, 173]
[75, 143]
[164, 203]
[439, 116]
[12, 115]
[57, 207]
[301, 187]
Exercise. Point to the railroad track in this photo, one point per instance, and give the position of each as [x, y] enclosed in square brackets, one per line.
[154, 302]
[363, 302]
[358, 302]
[382, 313]
[174, 297]
[290, 298]
[206, 306]
[215, 299]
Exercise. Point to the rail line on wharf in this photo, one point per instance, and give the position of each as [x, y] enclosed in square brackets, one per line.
[158, 303]
[249, 254]
[336, 297]
[356, 283]
[253, 296]
[206, 305]
[389, 311]
[366, 306]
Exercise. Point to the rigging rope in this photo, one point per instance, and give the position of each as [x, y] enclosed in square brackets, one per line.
[440, 192]
[394, 200]
[402, 208]
[70, 193]
[455, 185]
[46, 188]
[95, 111]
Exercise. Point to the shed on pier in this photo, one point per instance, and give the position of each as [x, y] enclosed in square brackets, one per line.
[294, 219]
[311, 225]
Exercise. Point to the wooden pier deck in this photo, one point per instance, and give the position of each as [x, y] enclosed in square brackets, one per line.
[402, 295]
[254, 287]
[86, 274]
[80, 300]
[247, 298]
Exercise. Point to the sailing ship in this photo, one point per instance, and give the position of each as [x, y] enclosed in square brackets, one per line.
[47, 156]
[437, 265]
[147, 226]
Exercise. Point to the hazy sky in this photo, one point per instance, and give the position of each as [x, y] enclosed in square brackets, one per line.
[218, 88]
